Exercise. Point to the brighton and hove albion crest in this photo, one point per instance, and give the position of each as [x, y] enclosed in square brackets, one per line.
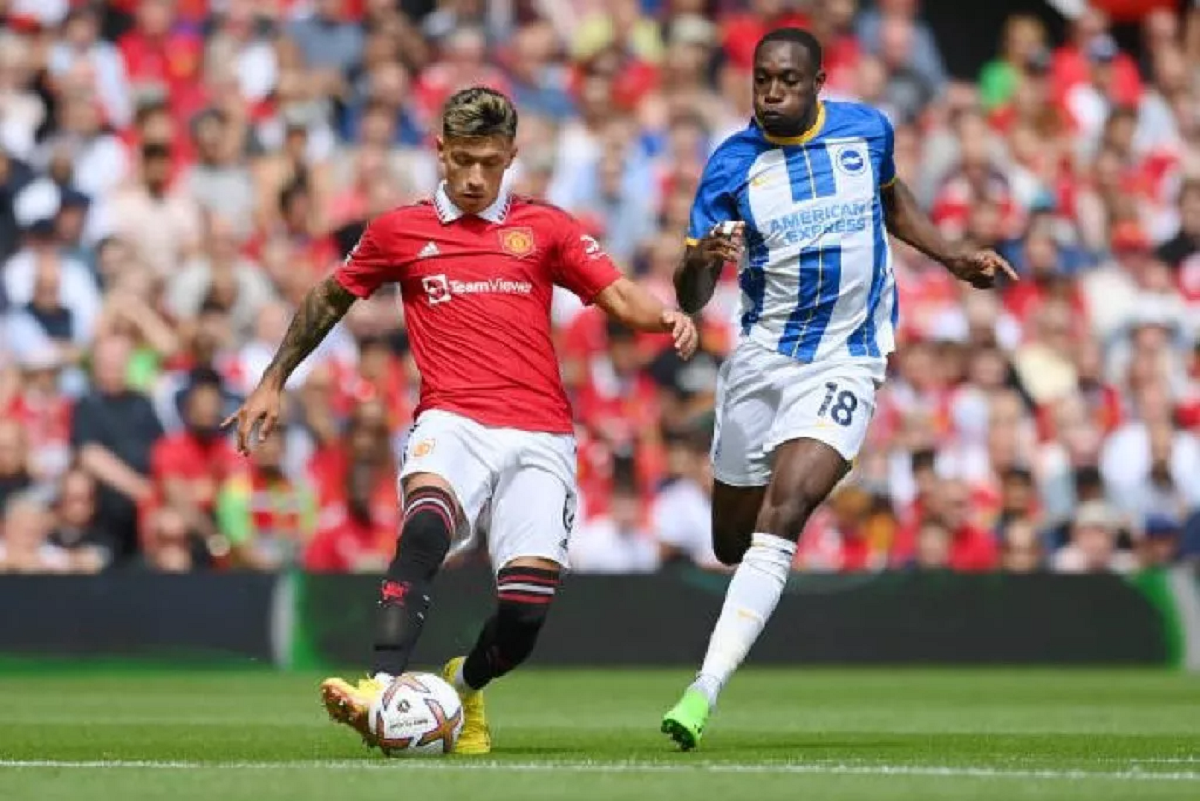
[517, 241]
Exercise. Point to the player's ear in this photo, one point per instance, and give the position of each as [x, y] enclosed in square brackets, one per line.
[512, 154]
[441, 148]
[819, 81]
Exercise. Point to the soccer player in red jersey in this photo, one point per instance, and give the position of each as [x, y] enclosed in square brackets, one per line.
[493, 433]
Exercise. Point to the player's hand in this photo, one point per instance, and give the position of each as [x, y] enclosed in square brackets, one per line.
[981, 268]
[724, 242]
[683, 331]
[261, 409]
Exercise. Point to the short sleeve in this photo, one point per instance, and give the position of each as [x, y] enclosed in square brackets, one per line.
[715, 197]
[887, 162]
[580, 264]
[369, 264]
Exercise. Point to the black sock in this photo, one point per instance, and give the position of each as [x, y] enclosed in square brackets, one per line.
[404, 593]
[524, 595]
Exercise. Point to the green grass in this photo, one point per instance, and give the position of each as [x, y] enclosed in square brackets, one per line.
[581, 735]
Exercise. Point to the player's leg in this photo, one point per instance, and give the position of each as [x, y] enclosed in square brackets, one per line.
[806, 472]
[734, 516]
[533, 511]
[821, 425]
[745, 408]
[444, 484]
[431, 516]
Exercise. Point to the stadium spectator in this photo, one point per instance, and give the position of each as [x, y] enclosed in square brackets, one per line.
[267, 518]
[932, 547]
[75, 529]
[849, 536]
[972, 549]
[25, 547]
[220, 275]
[1161, 542]
[169, 547]
[1021, 549]
[113, 430]
[188, 467]
[1093, 544]
[619, 541]
[81, 48]
[352, 538]
[40, 265]
[15, 477]
[682, 510]
[1023, 44]
[43, 412]
[160, 222]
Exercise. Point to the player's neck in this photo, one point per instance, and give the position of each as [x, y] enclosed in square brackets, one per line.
[809, 127]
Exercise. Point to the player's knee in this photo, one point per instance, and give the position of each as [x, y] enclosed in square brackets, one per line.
[525, 595]
[786, 516]
[729, 546]
[426, 532]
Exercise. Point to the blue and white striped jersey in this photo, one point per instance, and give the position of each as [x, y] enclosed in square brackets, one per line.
[816, 280]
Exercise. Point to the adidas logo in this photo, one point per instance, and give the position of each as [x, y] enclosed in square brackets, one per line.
[429, 250]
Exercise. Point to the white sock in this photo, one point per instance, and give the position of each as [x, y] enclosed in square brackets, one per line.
[384, 678]
[751, 598]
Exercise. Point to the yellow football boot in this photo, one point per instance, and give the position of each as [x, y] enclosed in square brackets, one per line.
[476, 738]
[350, 704]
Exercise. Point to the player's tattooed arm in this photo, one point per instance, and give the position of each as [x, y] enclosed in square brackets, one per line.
[322, 308]
[697, 275]
[907, 222]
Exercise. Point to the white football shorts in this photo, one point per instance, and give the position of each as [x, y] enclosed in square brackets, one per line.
[765, 399]
[518, 486]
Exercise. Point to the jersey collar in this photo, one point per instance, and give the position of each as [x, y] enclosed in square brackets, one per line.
[807, 136]
[448, 212]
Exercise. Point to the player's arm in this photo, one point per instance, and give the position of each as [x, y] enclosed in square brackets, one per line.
[698, 272]
[632, 305]
[906, 221]
[714, 233]
[322, 308]
[582, 266]
[367, 267]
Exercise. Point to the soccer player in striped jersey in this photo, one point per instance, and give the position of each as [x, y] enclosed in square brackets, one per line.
[804, 198]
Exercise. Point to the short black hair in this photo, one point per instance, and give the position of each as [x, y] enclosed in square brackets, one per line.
[479, 112]
[1017, 473]
[796, 36]
[155, 150]
[924, 459]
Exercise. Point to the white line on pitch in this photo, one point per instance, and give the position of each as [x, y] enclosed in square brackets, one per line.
[829, 769]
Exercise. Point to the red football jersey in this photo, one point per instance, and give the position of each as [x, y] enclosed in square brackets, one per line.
[477, 291]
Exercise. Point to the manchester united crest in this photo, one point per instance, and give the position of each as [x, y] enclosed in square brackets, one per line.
[517, 241]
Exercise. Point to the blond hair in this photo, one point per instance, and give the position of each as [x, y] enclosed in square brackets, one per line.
[479, 112]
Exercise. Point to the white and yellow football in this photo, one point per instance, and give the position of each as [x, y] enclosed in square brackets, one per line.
[417, 714]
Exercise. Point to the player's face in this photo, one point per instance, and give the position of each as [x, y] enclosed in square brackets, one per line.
[786, 85]
[474, 169]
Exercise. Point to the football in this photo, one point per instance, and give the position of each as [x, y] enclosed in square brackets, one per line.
[418, 713]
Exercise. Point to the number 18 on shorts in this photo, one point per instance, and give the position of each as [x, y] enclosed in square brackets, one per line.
[765, 399]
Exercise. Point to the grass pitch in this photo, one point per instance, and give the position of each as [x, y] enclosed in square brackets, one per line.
[582, 735]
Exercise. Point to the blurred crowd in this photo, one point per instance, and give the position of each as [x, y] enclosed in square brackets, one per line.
[175, 174]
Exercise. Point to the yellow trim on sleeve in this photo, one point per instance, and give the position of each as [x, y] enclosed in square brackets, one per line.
[802, 138]
[692, 242]
[889, 183]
